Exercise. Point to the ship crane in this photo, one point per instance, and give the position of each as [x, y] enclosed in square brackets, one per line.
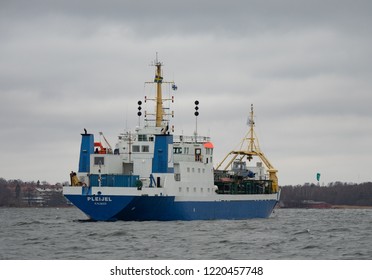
[252, 149]
[104, 138]
[99, 147]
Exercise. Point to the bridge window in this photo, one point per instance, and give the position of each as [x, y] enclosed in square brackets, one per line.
[145, 149]
[177, 177]
[209, 151]
[135, 148]
[142, 137]
[99, 160]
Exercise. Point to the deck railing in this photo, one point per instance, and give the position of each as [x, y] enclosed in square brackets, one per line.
[191, 139]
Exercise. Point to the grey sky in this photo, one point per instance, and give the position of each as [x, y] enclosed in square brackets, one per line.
[306, 66]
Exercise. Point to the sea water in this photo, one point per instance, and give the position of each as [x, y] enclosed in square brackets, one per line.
[289, 234]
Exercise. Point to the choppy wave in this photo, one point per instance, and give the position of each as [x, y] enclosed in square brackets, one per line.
[288, 234]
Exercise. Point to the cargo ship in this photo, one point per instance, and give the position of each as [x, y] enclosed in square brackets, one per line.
[154, 174]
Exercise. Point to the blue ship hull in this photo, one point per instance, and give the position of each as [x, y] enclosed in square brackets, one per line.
[166, 208]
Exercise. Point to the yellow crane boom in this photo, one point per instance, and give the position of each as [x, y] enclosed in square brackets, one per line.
[252, 149]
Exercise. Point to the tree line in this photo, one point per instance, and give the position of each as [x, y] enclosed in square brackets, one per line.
[16, 193]
[336, 193]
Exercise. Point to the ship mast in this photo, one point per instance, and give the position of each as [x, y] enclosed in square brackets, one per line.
[158, 80]
[159, 98]
[252, 146]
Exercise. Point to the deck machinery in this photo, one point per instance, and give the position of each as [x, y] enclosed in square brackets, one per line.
[233, 176]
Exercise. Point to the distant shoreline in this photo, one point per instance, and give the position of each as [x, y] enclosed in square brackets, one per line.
[28, 207]
[350, 207]
[331, 207]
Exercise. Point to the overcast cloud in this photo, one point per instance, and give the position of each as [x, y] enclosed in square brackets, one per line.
[305, 65]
